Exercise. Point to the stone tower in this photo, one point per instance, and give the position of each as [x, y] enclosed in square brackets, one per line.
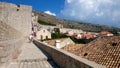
[15, 24]
[16, 16]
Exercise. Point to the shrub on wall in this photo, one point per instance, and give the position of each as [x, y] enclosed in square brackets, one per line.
[45, 23]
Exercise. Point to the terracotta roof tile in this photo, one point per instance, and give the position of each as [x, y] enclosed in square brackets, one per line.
[104, 50]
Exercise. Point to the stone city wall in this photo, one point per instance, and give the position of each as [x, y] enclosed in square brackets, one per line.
[65, 59]
[10, 41]
[17, 16]
[15, 24]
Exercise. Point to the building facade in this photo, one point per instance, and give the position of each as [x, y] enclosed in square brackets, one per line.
[43, 34]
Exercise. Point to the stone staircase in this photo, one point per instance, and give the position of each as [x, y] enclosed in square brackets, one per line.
[33, 64]
[30, 57]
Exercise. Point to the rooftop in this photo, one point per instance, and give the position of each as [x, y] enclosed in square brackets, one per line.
[104, 50]
[52, 42]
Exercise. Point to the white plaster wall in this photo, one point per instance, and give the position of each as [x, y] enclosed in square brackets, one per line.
[44, 33]
[66, 42]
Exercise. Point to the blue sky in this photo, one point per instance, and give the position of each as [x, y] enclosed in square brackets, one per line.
[41, 5]
[106, 12]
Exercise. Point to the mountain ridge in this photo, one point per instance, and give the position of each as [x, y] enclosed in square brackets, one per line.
[75, 24]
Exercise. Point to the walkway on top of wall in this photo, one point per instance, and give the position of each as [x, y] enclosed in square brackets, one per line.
[31, 57]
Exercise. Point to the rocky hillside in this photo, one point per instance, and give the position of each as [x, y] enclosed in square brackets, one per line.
[74, 24]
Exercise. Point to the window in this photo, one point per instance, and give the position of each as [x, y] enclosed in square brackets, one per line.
[17, 9]
[44, 31]
[46, 37]
[41, 37]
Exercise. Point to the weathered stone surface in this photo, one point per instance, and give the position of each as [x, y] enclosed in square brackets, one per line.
[30, 57]
[15, 24]
[31, 53]
[16, 16]
[65, 59]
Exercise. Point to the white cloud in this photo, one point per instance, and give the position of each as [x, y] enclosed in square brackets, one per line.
[69, 1]
[50, 13]
[100, 11]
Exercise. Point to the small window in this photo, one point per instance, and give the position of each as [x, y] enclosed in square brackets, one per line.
[17, 9]
[41, 37]
[44, 31]
[46, 37]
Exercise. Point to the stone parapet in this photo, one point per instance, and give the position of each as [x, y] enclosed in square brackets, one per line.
[65, 59]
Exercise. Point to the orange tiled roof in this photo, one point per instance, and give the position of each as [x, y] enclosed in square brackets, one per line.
[104, 50]
[72, 48]
[105, 32]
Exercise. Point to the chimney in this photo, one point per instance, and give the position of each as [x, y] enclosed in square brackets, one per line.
[57, 44]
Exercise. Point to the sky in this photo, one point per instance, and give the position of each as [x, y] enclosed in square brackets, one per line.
[105, 12]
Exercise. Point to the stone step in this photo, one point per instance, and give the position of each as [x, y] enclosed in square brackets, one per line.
[31, 53]
[21, 65]
[30, 57]
[25, 64]
[29, 64]
[40, 64]
[13, 65]
[34, 65]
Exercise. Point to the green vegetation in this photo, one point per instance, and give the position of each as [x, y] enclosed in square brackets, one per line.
[78, 40]
[57, 34]
[51, 20]
[57, 30]
[45, 23]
